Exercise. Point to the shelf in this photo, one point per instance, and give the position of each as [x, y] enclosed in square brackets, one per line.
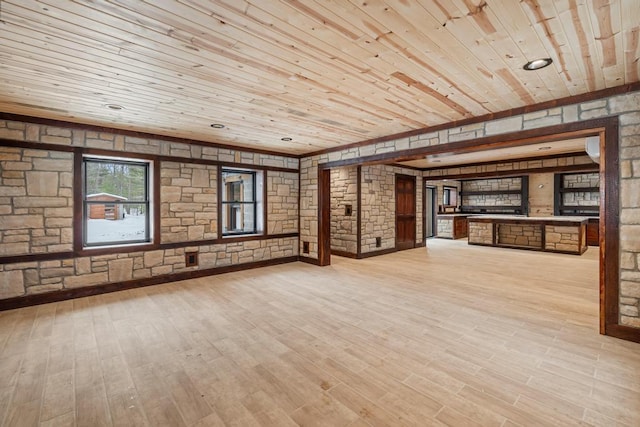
[492, 208]
[580, 208]
[580, 190]
[481, 193]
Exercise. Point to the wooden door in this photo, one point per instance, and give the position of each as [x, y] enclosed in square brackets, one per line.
[405, 212]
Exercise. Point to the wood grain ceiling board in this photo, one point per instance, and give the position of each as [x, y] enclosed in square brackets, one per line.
[326, 73]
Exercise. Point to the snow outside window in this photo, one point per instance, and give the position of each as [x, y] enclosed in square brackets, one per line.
[116, 203]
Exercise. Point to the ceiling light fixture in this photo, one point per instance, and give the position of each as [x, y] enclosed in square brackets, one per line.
[537, 64]
[286, 139]
[115, 107]
[217, 126]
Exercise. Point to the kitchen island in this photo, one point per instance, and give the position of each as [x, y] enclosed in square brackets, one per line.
[451, 226]
[564, 234]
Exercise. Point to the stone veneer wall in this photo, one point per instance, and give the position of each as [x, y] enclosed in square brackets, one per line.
[188, 210]
[344, 191]
[36, 201]
[520, 235]
[481, 232]
[582, 198]
[562, 238]
[378, 206]
[445, 227]
[493, 184]
[626, 106]
[36, 210]
[282, 194]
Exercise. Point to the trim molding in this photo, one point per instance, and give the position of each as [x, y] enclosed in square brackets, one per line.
[66, 294]
[344, 254]
[624, 332]
[308, 260]
[377, 253]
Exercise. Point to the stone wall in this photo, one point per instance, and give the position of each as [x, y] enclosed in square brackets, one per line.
[344, 191]
[581, 198]
[28, 278]
[36, 210]
[36, 201]
[378, 208]
[564, 238]
[493, 184]
[480, 232]
[282, 194]
[519, 235]
[188, 210]
[581, 180]
[626, 106]
[515, 167]
[445, 227]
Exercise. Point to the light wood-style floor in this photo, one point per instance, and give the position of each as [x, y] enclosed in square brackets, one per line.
[450, 335]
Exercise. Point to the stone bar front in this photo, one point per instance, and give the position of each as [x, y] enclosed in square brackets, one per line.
[451, 226]
[551, 234]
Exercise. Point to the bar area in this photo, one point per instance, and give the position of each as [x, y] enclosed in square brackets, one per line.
[549, 234]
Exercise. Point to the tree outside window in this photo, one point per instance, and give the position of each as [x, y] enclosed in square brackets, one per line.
[116, 204]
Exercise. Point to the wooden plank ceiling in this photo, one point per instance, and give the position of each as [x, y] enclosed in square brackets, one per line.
[323, 72]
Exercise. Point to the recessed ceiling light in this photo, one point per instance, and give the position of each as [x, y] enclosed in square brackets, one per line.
[217, 126]
[536, 64]
[544, 148]
[114, 107]
[286, 139]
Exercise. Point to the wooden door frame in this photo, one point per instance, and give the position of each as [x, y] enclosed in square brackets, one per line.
[395, 184]
[608, 130]
[434, 201]
[324, 216]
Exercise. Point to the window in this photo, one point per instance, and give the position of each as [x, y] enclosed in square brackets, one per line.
[241, 202]
[116, 203]
[450, 196]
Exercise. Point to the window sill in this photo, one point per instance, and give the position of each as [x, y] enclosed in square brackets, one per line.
[242, 237]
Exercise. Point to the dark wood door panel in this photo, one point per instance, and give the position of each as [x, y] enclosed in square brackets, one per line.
[405, 212]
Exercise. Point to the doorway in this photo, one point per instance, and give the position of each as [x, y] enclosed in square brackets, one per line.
[430, 203]
[405, 212]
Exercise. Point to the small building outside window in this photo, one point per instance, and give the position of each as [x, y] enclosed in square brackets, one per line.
[116, 201]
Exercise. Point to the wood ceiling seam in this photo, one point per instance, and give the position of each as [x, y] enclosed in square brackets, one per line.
[350, 86]
[631, 42]
[583, 44]
[401, 33]
[405, 100]
[361, 134]
[549, 35]
[607, 37]
[421, 123]
[518, 25]
[468, 34]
